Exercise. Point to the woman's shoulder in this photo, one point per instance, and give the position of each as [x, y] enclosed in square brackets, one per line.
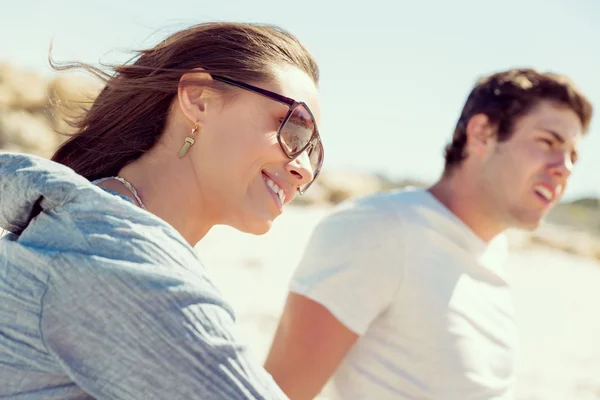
[53, 208]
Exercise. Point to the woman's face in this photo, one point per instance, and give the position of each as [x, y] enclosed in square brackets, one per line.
[238, 161]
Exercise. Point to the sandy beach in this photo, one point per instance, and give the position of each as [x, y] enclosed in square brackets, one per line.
[556, 297]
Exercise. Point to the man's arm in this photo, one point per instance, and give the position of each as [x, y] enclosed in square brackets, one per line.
[348, 275]
[308, 346]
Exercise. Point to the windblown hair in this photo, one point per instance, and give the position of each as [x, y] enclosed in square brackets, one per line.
[128, 116]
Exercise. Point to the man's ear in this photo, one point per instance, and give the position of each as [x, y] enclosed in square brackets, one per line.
[481, 135]
[192, 95]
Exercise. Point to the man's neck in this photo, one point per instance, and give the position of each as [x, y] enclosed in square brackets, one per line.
[462, 197]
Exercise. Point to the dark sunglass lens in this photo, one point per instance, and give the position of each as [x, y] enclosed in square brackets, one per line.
[297, 131]
[315, 154]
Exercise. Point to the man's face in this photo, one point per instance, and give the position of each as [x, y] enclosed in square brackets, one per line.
[527, 174]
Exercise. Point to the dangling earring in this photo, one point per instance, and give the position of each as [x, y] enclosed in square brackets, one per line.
[189, 141]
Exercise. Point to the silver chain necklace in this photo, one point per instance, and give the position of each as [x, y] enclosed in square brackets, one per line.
[128, 185]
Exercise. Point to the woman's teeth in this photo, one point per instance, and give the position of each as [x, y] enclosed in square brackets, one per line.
[276, 189]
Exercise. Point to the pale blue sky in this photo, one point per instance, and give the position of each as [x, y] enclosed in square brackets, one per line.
[395, 73]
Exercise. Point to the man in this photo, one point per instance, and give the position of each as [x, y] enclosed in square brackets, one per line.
[403, 295]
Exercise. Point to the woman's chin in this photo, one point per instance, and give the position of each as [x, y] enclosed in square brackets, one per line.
[261, 232]
[257, 227]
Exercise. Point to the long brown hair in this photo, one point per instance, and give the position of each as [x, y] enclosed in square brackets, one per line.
[129, 115]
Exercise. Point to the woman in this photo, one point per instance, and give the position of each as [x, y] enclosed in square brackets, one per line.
[101, 293]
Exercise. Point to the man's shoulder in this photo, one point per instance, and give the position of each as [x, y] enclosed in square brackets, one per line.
[388, 206]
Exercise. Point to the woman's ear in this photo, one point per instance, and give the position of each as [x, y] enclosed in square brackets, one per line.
[193, 95]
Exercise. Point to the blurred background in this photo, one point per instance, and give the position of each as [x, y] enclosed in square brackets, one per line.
[394, 77]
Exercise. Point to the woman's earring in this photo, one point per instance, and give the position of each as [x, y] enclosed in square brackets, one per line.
[189, 141]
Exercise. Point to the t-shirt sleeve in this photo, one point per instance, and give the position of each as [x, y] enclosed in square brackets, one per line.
[128, 331]
[352, 263]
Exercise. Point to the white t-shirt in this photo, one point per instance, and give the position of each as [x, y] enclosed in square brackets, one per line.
[427, 296]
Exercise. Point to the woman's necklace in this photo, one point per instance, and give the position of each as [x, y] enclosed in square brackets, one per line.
[129, 186]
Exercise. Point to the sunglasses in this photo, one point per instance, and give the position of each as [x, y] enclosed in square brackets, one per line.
[298, 130]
